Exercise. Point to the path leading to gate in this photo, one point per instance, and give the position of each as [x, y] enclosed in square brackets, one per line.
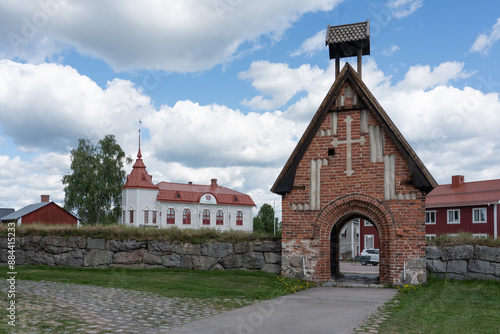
[70, 308]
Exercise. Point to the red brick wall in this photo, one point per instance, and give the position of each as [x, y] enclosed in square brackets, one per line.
[401, 223]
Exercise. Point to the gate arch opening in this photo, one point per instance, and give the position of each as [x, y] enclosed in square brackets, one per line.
[336, 214]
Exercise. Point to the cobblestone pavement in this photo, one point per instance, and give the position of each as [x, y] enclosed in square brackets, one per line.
[69, 308]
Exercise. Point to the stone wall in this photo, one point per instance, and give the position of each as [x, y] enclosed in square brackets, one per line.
[463, 262]
[102, 253]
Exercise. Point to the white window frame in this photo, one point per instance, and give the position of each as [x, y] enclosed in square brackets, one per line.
[372, 237]
[430, 237]
[474, 221]
[480, 235]
[448, 216]
[430, 212]
[367, 223]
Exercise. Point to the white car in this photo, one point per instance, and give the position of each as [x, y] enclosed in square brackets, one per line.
[373, 254]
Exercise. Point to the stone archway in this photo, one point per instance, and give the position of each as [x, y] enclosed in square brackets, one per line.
[341, 210]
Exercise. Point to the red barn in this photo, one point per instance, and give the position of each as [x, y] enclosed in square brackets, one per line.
[463, 207]
[45, 212]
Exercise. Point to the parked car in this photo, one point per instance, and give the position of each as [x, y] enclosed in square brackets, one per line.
[373, 254]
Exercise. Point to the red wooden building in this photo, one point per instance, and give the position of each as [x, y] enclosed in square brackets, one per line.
[45, 212]
[463, 207]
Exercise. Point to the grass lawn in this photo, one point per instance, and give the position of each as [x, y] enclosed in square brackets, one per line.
[182, 283]
[445, 307]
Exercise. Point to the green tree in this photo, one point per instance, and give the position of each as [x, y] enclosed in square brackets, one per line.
[264, 220]
[93, 189]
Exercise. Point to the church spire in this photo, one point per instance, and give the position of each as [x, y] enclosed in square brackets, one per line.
[139, 155]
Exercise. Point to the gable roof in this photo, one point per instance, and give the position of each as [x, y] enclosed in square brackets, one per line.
[24, 211]
[5, 211]
[466, 194]
[421, 177]
[191, 193]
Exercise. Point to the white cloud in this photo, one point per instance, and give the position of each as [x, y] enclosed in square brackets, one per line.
[484, 42]
[178, 35]
[50, 106]
[312, 45]
[404, 8]
[390, 51]
[278, 80]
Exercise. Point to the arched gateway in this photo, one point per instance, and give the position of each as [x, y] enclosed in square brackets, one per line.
[352, 162]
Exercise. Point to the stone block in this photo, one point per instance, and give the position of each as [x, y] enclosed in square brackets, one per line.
[172, 260]
[189, 249]
[204, 262]
[186, 262]
[436, 266]
[58, 250]
[161, 247]
[31, 243]
[272, 268]
[97, 257]
[3, 243]
[152, 259]
[20, 257]
[253, 260]
[243, 247]
[231, 261]
[486, 253]
[479, 266]
[70, 259]
[465, 252]
[217, 249]
[495, 269]
[416, 264]
[457, 267]
[96, 243]
[129, 257]
[124, 245]
[77, 242]
[296, 261]
[478, 276]
[274, 258]
[217, 266]
[33, 257]
[432, 252]
[56, 241]
[267, 246]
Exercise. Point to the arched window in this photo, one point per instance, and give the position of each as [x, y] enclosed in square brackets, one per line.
[239, 217]
[186, 217]
[206, 217]
[219, 218]
[146, 216]
[170, 216]
[131, 216]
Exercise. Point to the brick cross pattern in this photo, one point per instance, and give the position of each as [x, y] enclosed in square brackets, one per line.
[349, 141]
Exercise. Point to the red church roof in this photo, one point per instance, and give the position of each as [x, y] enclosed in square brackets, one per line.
[460, 193]
[139, 177]
[191, 193]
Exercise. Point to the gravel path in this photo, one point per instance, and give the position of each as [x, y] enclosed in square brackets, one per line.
[69, 308]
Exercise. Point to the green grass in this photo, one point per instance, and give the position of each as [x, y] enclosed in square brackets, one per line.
[122, 232]
[445, 307]
[463, 238]
[250, 285]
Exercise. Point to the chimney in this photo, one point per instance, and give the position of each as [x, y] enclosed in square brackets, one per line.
[190, 182]
[45, 198]
[457, 180]
[213, 183]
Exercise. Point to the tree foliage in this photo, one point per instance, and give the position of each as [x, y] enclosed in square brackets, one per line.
[93, 189]
[264, 220]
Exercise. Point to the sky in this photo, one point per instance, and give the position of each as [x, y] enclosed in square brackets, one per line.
[225, 88]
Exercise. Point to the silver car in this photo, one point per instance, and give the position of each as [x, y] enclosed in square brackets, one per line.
[373, 254]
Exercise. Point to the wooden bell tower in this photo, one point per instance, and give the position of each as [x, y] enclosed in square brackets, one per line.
[348, 40]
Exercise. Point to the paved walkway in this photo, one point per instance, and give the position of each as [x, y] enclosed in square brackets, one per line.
[69, 308]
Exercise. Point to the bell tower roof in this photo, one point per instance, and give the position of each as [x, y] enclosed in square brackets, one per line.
[139, 177]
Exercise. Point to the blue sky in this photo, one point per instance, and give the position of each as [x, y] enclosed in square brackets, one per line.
[225, 88]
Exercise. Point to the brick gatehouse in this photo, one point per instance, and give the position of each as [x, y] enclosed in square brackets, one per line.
[352, 162]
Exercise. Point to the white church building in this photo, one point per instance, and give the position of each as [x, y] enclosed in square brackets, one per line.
[185, 205]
